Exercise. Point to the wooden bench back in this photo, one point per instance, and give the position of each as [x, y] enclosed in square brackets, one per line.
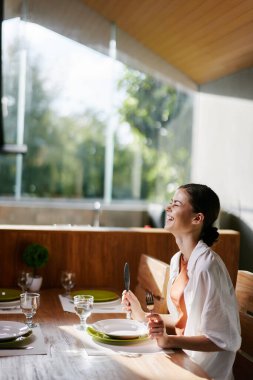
[244, 295]
[153, 276]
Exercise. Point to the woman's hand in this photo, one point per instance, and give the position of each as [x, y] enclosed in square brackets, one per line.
[157, 330]
[131, 303]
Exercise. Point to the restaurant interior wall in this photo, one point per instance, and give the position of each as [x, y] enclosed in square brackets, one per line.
[94, 33]
[67, 214]
[223, 155]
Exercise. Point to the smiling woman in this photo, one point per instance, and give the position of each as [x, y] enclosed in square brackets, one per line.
[203, 315]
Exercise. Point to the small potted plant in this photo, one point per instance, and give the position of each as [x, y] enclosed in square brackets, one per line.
[35, 256]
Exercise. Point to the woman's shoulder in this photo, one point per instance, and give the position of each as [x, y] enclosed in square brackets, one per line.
[206, 259]
[210, 262]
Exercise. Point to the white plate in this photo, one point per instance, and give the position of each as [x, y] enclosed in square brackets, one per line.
[11, 330]
[107, 303]
[121, 328]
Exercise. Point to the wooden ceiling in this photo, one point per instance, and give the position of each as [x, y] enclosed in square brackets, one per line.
[205, 39]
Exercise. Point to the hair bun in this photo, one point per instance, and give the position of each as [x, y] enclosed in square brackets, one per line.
[210, 235]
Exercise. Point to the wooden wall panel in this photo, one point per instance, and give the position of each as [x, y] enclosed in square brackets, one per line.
[98, 256]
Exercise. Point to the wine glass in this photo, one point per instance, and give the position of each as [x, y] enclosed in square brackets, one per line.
[29, 303]
[68, 282]
[83, 307]
[25, 280]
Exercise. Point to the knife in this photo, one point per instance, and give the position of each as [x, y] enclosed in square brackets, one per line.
[127, 284]
[127, 277]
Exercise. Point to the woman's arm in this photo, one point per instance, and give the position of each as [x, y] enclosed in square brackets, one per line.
[194, 343]
[131, 303]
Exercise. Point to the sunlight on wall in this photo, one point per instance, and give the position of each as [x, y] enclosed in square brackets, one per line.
[223, 155]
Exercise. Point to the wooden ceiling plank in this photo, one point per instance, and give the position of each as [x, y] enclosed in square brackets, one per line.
[130, 24]
[125, 13]
[149, 23]
[188, 48]
[216, 72]
[183, 27]
[225, 60]
[104, 7]
[218, 33]
[241, 38]
[195, 27]
[224, 65]
[187, 34]
[170, 22]
[158, 49]
[135, 13]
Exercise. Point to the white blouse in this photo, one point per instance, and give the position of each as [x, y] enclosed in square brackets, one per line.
[212, 309]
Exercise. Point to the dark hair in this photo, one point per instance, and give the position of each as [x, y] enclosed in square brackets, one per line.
[203, 199]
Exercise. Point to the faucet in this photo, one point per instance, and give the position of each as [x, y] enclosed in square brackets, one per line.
[96, 209]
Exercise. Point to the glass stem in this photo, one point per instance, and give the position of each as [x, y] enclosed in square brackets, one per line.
[83, 323]
[29, 320]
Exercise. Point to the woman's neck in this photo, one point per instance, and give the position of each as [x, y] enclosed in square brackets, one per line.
[186, 244]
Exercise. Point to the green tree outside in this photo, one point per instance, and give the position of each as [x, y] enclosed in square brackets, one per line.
[152, 109]
[66, 155]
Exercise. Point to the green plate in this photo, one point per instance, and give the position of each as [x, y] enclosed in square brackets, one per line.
[21, 341]
[99, 295]
[9, 294]
[103, 338]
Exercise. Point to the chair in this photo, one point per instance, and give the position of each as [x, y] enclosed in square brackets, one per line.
[153, 276]
[243, 366]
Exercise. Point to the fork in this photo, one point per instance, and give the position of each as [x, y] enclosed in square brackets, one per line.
[150, 301]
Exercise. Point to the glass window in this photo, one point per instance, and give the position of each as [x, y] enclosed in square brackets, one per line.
[94, 127]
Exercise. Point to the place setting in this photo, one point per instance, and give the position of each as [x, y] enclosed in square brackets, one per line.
[10, 301]
[17, 338]
[14, 335]
[110, 336]
[118, 331]
[10, 298]
[103, 300]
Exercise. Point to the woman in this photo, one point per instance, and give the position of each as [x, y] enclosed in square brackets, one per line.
[201, 300]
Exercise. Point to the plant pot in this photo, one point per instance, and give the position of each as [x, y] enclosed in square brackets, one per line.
[36, 284]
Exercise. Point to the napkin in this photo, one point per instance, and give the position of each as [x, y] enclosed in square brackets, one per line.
[37, 342]
[15, 310]
[99, 307]
[94, 348]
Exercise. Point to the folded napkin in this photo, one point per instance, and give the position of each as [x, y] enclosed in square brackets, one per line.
[94, 348]
[99, 307]
[35, 340]
[5, 309]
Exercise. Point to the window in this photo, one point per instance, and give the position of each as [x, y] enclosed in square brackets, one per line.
[95, 127]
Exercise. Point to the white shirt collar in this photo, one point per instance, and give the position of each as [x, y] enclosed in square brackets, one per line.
[200, 248]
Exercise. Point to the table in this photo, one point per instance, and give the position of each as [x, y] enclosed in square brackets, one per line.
[67, 359]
